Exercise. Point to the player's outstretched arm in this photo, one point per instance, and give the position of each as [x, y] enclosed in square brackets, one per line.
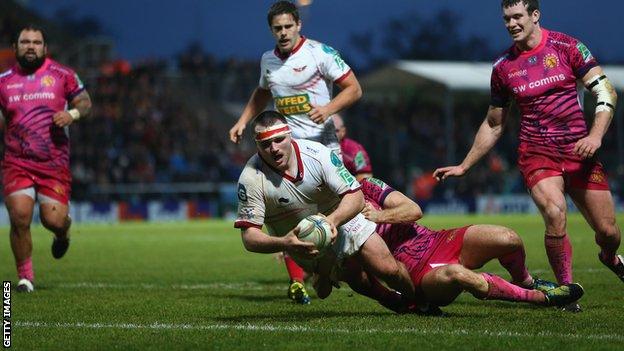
[350, 92]
[397, 208]
[257, 102]
[255, 240]
[80, 107]
[606, 99]
[488, 134]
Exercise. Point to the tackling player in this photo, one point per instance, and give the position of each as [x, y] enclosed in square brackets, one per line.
[290, 179]
[557, 152]
[441, 262]
[34, 96]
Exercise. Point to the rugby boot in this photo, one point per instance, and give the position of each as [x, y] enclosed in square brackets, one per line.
[25, 286]
[542, 285]
[59, 247]
[564, 295]
[298, 293]
[618, 268]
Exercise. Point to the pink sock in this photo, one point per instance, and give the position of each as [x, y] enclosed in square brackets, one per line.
[514, 263]
[25, 270]
[559, 252]
[500, 289]
[295, 272]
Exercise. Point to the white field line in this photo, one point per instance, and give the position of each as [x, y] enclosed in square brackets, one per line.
[242, 286]
[208, 286]
[298, 329]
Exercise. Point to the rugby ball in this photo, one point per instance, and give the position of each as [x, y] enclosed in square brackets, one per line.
[315, 229]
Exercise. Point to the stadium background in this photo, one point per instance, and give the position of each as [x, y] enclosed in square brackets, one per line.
[155, 146]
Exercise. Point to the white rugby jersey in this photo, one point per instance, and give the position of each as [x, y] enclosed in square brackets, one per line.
[305, 76]
[279, 201]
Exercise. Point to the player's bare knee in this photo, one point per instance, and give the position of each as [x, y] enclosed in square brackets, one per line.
[512, 239]
[454, 274]
[56, 224]
[555, 213]
[608, 231]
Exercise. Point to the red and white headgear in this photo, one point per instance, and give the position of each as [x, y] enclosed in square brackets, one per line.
[274, 131]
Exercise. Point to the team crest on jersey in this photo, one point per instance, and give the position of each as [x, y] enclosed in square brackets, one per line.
[293, 104]
[47, 81]
[551, 61]
[532, 60]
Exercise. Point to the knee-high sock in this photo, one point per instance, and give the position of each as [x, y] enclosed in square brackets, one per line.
[559, 251]
[390, 299]
[515, 264]
[295, 272]
[25, 269]
[500, 289]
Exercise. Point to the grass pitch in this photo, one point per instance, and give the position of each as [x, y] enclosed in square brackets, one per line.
[193, 286]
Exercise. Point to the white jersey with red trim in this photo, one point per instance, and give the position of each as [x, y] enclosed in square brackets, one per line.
[303, 79]
[279, 201]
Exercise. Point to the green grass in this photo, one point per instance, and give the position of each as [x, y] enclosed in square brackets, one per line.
[193, 286]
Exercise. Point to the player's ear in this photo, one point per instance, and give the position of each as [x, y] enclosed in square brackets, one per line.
[536, 16]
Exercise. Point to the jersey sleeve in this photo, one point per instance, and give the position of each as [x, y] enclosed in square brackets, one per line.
[264, 82]
[499, 95]
[580, 58]
[335, 175]
[376, 190]
[251, 207]
[332, 66]
[73, 85]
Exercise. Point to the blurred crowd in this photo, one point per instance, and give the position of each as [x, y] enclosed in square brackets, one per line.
[157, 122]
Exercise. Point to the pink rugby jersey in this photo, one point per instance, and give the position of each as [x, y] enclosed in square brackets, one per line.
[28, 102]
[395, 235]
[542, 81]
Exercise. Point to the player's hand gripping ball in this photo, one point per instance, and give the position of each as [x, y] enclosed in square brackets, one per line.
[315, 229]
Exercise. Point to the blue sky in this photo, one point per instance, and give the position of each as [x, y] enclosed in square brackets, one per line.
[144, 28]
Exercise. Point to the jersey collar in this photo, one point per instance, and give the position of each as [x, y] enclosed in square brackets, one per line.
[285, 175]
[536, 49]
[294, 50]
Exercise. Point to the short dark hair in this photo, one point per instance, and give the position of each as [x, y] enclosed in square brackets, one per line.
[30, 27]
[531, 5]
[282, 7]
[267, 118]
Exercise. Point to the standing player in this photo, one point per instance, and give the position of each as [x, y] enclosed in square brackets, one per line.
[289, 180]
[33, 99]
[298, 75]
[441, 263]
[557, 153]
[354, 155]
